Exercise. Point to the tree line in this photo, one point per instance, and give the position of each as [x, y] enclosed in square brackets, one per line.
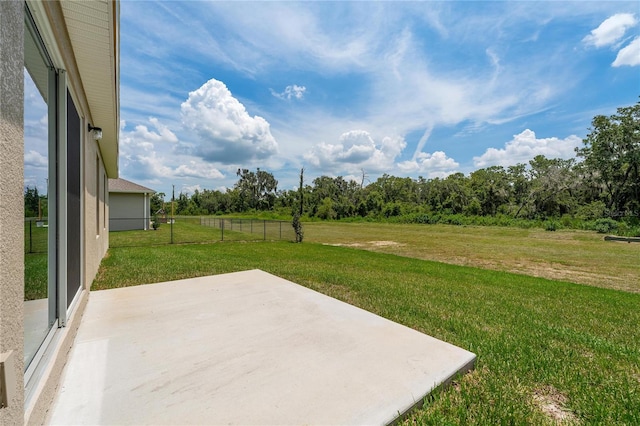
[601, 183]
[600, 187]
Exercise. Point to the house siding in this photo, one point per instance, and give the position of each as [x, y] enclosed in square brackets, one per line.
[31, 401]
[96, 234]
[11, 199]
[128, 211]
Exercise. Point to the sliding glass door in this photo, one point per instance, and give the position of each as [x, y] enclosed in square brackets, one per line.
[40, 180]
[53, 188]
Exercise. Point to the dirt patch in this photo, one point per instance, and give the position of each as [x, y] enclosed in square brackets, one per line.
[384, 243]
[553, 404]
[368, 244]
[552, 271]
[344, 245]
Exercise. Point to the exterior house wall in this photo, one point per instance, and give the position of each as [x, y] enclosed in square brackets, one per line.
[96, 207]
[31, 399]
[128, 211]
[11, 201]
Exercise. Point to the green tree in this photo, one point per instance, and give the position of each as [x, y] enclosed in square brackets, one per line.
[451, 195]
[395, 189]
[490, 187]
[611, 153]
[31, 202]
[156, 202]
[182, 203]
[256, 190]
[325, 209]
[552, 183]
[519, 183]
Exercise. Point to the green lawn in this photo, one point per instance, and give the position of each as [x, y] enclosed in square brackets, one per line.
[576, 256]
[546, 349]
[35, 276]
[192, 229]
[35, 260]
[35, 237]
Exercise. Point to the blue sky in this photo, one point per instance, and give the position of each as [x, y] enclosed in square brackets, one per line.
[404, 88]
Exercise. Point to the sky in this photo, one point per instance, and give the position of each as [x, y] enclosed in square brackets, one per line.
[363, 88]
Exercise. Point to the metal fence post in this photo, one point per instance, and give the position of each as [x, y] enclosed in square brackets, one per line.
[30, 238]
[221, 229]
[280, 230]
[264, 230]
[172, 220]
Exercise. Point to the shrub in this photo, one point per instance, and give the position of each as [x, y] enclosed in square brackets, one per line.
[591, 211]
[634, 232]
[297, 227]
[551, 225]
[606, 225]
[391, 209]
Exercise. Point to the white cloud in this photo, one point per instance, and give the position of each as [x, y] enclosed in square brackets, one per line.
[227, 133]
[161, 133]
[393, 69]
[143, 159]
[524, 146]
[629, 55]
[139, 159]
[35, 159]
[190, 189]
[435, 165]
[354, 150]
[289, 92]
[197, 170]
[611, 30]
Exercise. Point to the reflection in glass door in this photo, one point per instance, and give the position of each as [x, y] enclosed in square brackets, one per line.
[40, 179]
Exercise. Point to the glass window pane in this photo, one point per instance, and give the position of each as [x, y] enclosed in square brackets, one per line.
[39, 317]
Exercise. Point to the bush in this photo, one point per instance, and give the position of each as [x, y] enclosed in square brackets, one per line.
[391, 210]
[606, 225]
[551, 225]
[634, 232]
[591, 211]
[297, 227]
[155, 222]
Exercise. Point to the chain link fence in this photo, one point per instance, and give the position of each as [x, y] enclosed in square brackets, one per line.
[36, 235]
[131, 232]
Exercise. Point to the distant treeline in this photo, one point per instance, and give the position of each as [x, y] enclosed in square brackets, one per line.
[599, 189]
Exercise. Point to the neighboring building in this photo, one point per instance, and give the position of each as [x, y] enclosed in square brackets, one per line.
[64, 55]
[129, 205]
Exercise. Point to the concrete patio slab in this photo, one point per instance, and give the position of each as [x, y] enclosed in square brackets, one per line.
[244, 348]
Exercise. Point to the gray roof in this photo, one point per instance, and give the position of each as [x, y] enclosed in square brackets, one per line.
[123, 185]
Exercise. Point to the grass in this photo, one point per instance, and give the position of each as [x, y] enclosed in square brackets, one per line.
[35, 260]
[190, 230]
[546, 349]
[185, 230]
[35, 276]
[35, 237]
[576, 256]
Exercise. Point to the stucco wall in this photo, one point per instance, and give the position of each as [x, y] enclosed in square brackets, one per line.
[96, 233]
[127, 211]
[11, 200]
[95, 239]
